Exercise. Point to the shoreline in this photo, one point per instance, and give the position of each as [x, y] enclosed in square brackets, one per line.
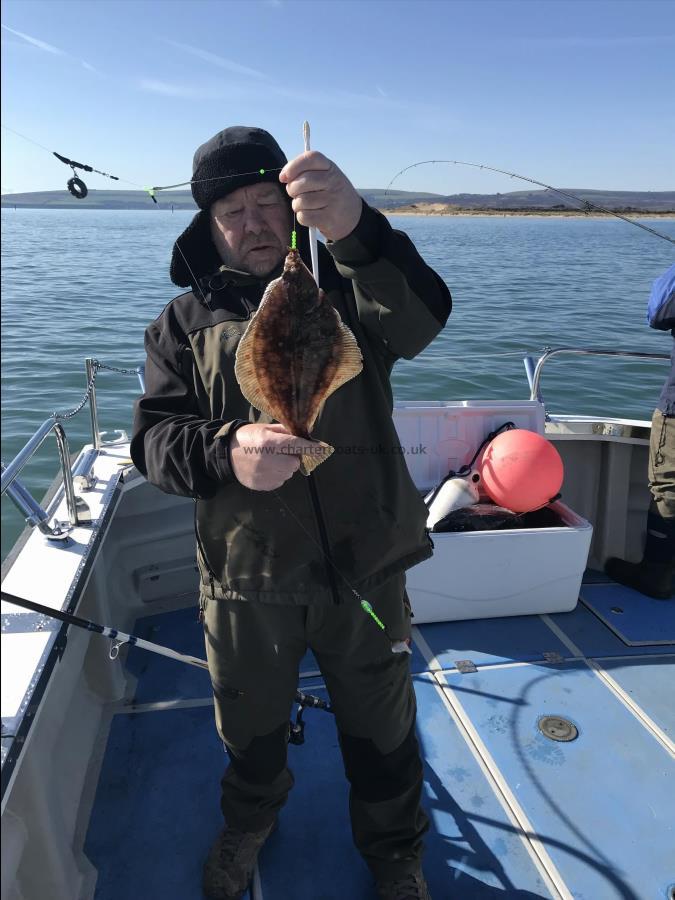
[428, 210]
[540, 213]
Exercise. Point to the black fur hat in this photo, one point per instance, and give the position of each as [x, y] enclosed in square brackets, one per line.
[232, 159]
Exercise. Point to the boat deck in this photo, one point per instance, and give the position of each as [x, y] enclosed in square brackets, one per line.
[514, 813]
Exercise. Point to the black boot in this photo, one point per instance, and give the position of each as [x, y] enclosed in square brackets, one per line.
[654, 575]
[229, 867]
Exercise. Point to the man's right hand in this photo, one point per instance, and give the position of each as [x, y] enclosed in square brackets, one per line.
[263, 457]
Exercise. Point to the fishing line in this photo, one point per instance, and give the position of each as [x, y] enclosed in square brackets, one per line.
[294, 242]
[75, 185]
[397, 646]
[30, 140]
[167, 187]
[585, 203]
[148, 190]
[194, 278]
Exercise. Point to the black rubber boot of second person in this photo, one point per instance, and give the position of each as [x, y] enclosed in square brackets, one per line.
[654, 575]
[649, 578]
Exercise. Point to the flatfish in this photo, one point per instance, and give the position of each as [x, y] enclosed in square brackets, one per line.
[294, 354]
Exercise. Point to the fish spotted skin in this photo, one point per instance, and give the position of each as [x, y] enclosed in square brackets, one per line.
[295, 353]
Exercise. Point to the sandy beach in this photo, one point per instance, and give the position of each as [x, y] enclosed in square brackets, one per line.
[440, 209]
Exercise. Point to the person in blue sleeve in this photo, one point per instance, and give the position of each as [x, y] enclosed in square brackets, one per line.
[653, 576]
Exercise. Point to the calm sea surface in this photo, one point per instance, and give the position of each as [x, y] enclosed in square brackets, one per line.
[79, 283]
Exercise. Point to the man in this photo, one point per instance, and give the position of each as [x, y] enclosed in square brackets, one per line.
[284, 558]
[653, 576]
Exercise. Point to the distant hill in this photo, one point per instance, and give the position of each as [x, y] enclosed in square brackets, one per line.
[643, 201]
[180, 199]
[99, 200]
[628, 201]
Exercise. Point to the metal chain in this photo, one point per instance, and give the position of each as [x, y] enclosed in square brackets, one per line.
[87, 394]
[100, 365]
[96, 367]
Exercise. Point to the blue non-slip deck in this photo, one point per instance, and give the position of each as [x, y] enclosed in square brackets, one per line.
[156, 809]
[636, 619]
[600, 806]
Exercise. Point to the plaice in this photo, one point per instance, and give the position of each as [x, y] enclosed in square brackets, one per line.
[294, 354]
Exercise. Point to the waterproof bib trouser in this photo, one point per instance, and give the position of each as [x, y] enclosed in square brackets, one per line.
[256, 649]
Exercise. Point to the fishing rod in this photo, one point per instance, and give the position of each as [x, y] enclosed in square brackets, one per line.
[79, 190]
[119, 638]
[75, 185]
[588, 206]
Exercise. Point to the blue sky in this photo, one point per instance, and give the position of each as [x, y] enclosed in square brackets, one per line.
[576, 94]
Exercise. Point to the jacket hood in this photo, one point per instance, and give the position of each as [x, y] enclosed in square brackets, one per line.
[194, 254]
[196, 263]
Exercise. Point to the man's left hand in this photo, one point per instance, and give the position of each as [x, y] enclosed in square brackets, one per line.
[323, 196]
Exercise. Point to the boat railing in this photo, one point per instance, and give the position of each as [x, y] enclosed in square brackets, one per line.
[78, 511]
[534, 369]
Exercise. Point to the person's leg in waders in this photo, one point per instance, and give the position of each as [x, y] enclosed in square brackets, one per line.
[653, 576]
[254, 652]
[373, 700]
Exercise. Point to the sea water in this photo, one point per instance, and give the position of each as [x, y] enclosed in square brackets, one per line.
[79, 283]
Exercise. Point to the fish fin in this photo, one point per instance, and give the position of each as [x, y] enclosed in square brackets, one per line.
[309, 461]
[245, 371]
[349, 366]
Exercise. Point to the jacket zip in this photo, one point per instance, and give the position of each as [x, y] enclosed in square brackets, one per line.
[200, 617]
[324, 538]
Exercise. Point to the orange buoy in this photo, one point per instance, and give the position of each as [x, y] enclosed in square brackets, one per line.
[521, 470]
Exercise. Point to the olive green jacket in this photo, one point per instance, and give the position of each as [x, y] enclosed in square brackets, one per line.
[358, 518]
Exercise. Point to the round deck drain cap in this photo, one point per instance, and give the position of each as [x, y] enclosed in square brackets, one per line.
[557, 729]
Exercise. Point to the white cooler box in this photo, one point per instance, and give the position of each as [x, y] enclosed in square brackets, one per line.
[484, 574]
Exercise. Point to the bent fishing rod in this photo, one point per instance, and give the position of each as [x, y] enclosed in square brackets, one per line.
[587, 206]
[119, 638]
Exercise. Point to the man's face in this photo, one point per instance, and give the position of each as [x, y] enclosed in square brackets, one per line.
[251, 228]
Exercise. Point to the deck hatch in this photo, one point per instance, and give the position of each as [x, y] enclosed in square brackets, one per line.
[556, 728]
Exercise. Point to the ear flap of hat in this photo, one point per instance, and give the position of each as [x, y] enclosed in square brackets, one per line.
[194, 254]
